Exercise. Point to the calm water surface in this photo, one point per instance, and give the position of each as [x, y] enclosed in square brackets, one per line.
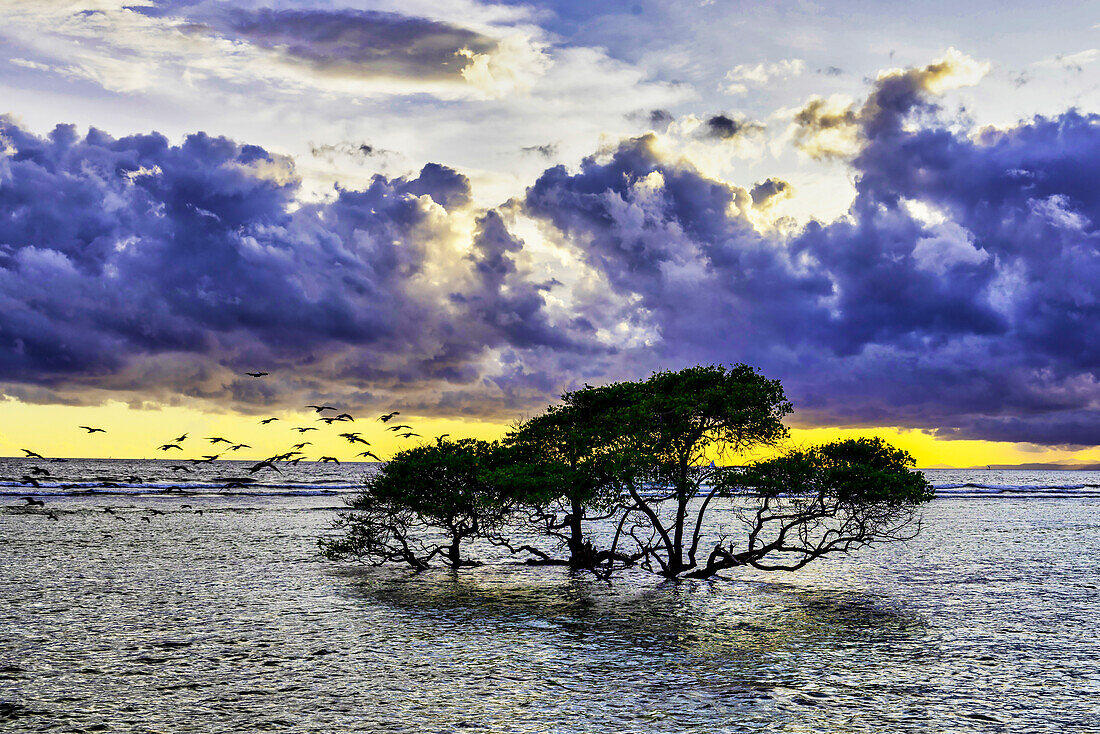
[229, 621]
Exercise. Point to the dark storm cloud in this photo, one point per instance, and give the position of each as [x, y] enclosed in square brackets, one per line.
[983, 325]
[361, 43]
[769, 190]
[115, 250]
[958, 295]
[722, 126]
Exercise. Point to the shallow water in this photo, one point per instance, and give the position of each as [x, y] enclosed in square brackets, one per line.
[229, 621]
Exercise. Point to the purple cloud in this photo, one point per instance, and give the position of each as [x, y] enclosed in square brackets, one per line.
[957, 296]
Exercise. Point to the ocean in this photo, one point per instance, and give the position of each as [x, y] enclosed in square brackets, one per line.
[199, 603]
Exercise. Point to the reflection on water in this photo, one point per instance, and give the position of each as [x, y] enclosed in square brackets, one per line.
[229, 621]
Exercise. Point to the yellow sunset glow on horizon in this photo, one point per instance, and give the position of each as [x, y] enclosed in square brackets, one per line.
[132, 433]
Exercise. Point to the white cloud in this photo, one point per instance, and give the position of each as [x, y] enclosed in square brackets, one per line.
[949, 245]
[742, 76]
[1070, 62]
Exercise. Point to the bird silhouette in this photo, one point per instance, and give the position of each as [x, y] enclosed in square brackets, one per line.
[257, 374]
[180, 468]
[89, 429]
[328, 459]
[40, 470]
[32, 502]
[398, 428]
[263, 465]
[354, 438]
[370, 454]
[32, 454]
[265, 421]
[295, 460]
[320, 408]
[385, 417]
[303, 430]
[206, 459]
[239, 446]
[165, 447]
[440, 438]
[180, 438]
[410, 434]
[345, 417]
[217, 439]
[328, 421]
[301, 445]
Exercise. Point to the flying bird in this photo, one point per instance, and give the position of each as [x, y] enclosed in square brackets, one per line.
[167, 446]
[295, 460]
[206, 459]
[301, 445]
[265, 421]
[257, 374]
[440, 438]
[320, 408]
[354, 438]
[328, 421]
[410, 434]
[180, 468]
[181, 438]
[32, 454]
[217, 439]
[385, 417]
[328, 459]
[345, 417]
[370, 454]
[398, 428]
[89, 429]
[234, 447]
[39, 470]
[263, 465]
[303, 430]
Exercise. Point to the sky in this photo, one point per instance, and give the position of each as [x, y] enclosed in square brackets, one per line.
[459, 209]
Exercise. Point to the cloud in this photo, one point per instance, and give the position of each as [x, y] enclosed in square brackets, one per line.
[1071, 62]
[837, 128]
[546, 150]
[721, 126]
[160, 270]
[743, 76]
[956, 295]
[357, 42]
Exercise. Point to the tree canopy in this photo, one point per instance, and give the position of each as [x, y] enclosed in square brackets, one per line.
[620, 476]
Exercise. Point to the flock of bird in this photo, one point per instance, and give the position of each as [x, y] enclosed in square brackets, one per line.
[293, 455]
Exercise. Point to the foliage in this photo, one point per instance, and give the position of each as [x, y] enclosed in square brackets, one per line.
[423, 503]
[832, 498]
[617, 476]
